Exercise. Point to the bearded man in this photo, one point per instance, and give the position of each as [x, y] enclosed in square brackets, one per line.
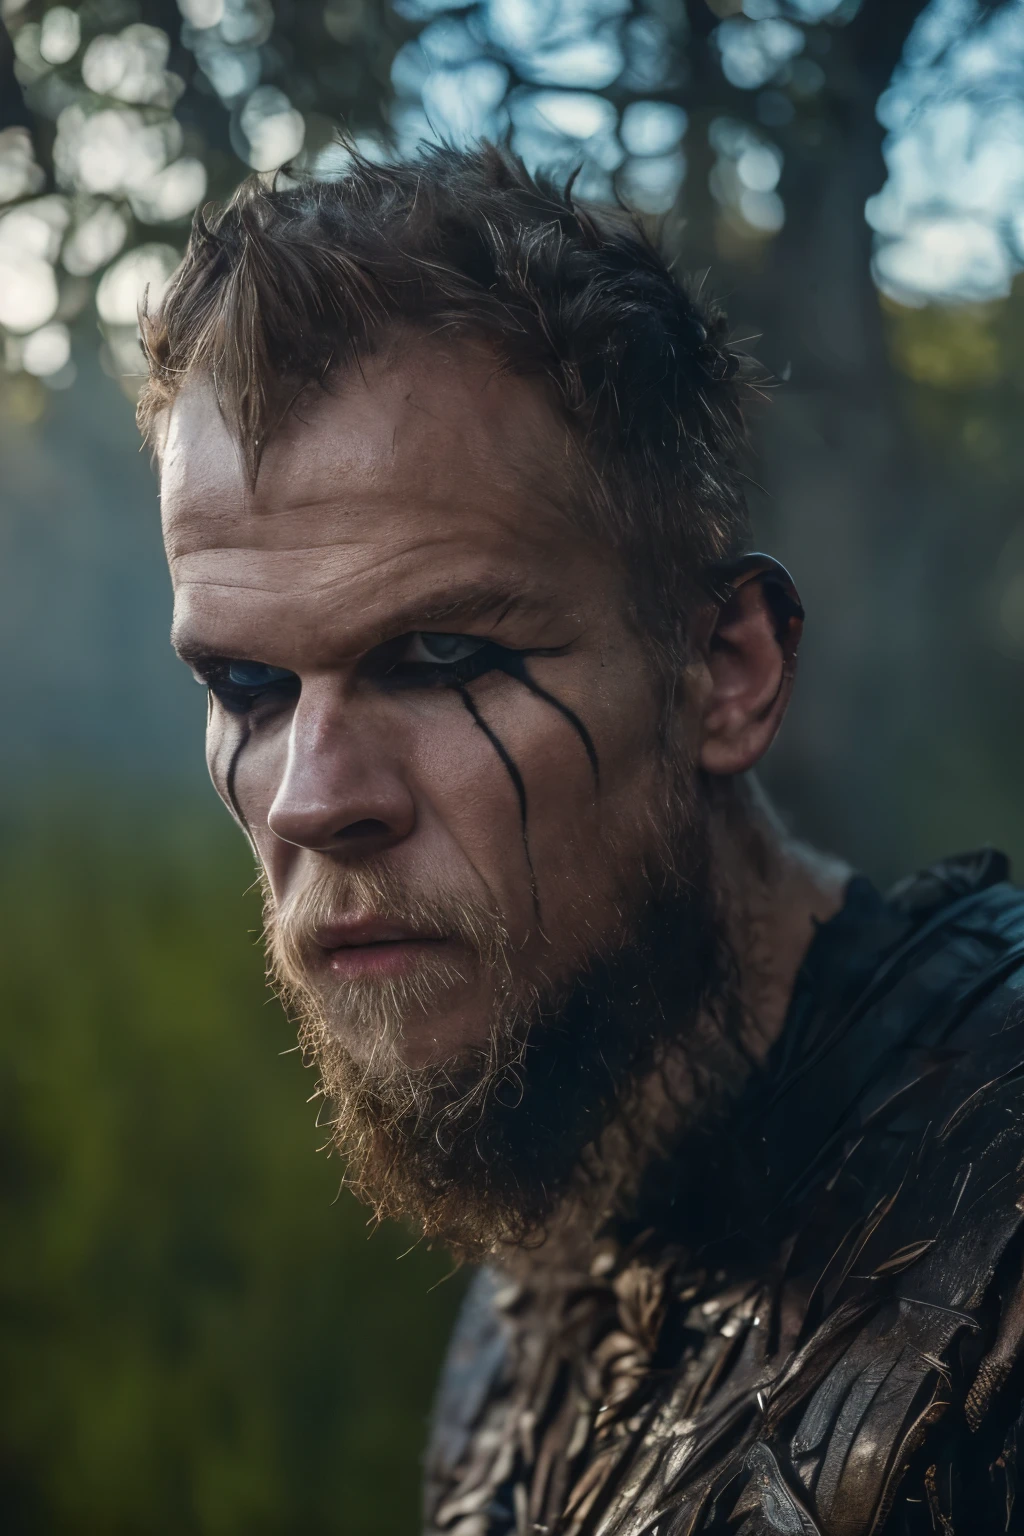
[454, 516]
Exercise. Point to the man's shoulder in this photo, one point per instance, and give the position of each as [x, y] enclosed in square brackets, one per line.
[886, 1058]
[470, 1378]
[925, 1068]
[902, 1385]
[872, 1370]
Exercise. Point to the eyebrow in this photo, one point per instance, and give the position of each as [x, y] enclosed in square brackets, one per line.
[470, 603]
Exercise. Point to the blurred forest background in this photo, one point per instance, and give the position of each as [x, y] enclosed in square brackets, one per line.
[193, 1338]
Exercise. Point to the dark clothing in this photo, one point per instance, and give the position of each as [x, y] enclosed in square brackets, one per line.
[816, 1324]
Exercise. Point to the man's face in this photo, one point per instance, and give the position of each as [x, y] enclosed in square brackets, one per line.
[427, 706]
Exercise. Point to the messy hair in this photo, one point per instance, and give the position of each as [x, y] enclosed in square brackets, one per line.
[288, 285]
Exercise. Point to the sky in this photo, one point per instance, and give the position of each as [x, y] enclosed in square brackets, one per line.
[948, 221]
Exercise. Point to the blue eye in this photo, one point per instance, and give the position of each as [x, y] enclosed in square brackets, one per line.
[426, 659]
[256, 674]
[240, 685]
[441, 650]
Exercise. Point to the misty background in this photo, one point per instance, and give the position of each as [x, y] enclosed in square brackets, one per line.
[193, 1336]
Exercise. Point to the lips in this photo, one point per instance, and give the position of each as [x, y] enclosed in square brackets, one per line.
[356, 932]
[372, 946]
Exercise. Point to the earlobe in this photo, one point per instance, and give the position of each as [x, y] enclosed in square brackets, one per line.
[752, 661]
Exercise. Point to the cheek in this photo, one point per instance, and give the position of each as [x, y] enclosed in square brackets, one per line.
[590, 838]
[581, 835]
[225, 733]
[244, 770]
[581, 829]
[469, 818]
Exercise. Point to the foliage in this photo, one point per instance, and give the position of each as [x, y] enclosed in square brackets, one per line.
[965, 367]
[138, 108]
[135, 111]
[192, 1337]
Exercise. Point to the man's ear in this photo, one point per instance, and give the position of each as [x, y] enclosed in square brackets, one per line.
[751, 656]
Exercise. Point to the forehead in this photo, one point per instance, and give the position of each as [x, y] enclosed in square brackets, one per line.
[434, 442]
[424, 471]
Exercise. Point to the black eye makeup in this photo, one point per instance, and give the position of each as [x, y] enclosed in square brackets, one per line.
[424, 645]
[426, 658]
[241, 685]
[423, 658]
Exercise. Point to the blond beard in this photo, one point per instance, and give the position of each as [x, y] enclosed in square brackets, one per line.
[378, 1013]
[480, 1148]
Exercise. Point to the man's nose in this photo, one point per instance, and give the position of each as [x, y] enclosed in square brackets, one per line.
[343, 789]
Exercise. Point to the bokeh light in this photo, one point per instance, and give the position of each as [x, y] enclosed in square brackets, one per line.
[97, 235]
[46, 351]
[539, 68]
[19, 172]
[124, 284]
[747, 127]
[171, 195]
[30, 236]
[948, 218]
[652, 127]
[28, 289]
[60, 34]
[753, 52]
[130, 66]
[140, 274]
[595, 86]
[225, 36]
[267, 130]
[745, 174]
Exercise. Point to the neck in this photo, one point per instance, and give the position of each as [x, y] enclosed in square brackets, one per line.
[775, 892]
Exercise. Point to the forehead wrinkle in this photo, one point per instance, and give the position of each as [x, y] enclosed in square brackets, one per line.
[473, 602]
[192, 530]
[388, 569]
[531, 491]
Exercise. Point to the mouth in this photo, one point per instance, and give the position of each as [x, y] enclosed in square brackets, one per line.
[373, 947]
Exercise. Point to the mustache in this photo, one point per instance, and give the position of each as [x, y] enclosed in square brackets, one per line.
[368, 892]
[376, 1011]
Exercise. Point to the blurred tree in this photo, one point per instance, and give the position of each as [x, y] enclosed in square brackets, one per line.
[138, 111]
[852, 496]
[187, 1341]
[140, 107]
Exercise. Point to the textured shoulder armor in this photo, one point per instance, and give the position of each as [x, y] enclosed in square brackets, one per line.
[472, 1374]
[851, 1367]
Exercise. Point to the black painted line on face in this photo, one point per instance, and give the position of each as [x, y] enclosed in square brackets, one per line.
[517, 782]
[229, 783]
[515, 666]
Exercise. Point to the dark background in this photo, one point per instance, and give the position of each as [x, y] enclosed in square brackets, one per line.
[193, 1336]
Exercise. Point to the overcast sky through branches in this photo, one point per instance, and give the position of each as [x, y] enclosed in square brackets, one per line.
[599, 84]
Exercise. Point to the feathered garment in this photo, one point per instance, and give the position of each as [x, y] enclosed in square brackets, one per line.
[816, 1323]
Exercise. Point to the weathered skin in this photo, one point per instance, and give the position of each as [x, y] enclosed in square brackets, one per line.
[429, 495]
[804, 1316]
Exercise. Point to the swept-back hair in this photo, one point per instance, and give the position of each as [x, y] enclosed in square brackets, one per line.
[287, 285]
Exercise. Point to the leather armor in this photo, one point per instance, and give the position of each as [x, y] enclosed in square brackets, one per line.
[813, 1321]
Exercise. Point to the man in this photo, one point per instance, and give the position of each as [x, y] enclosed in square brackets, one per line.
[454, 516]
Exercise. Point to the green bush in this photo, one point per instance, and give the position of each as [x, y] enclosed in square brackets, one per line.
[193, 1336]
